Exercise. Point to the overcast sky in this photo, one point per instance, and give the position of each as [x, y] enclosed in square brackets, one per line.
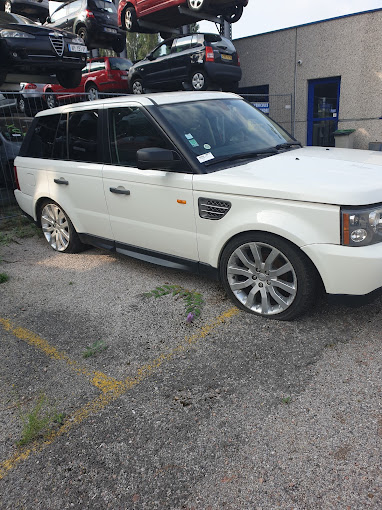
[271, 15]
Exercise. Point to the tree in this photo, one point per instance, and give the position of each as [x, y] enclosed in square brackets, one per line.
[139, 45]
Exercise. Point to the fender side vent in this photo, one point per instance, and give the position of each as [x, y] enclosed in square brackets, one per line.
[210, 209]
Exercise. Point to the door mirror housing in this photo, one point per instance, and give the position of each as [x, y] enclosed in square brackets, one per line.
[154, 158]
[48, 20]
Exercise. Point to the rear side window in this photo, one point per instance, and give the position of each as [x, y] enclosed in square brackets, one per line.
[119, 64]
[97, 65]
[43, 137]
[130, 130]
[83, 136]
[183, 44]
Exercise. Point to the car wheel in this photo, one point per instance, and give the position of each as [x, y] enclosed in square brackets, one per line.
[92, 92]
[21, 105]
[119, 45]
[197, 5]
[51, 100]
[7, 6]
[137, 86]
[69, 79]
[266, 275]
[199, 80]
[58, 229]
[83, 33]
[131, 24]
[234, 15]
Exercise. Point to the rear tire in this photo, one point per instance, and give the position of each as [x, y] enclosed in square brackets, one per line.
[199, 80]
[69, 79]
[131, 24]
[8, 6]
[234, 15]
[57, 228]
[197, 5]
[83, 33]
[51, 100]
[92, 92]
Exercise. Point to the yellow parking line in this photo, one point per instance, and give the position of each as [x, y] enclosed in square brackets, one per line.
[98, 379]
[110, 393]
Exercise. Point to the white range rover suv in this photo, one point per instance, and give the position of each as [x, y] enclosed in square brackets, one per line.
[207, 183]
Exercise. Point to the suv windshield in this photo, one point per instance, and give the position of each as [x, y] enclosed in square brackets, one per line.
[119, 64]
[225, 129]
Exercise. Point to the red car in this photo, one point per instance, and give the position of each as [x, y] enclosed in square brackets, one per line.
[166, 12]
[104, 74]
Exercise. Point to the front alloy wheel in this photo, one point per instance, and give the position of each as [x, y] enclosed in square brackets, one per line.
[266, 275]
[137, 87]
[131, 20]
[199, 81]
[58, 229]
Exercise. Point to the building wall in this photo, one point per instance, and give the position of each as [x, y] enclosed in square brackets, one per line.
[349, 47]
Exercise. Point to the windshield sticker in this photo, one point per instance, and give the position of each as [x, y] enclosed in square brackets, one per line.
[194, 143]
[206, 157]
[189, 136]
[207, 146]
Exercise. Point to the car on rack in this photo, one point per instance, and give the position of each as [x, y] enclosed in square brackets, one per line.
[207, 183]
[29, 48]
[195, 61]
[36, 10]
[101, 75]
[166, 12]
[95, 21]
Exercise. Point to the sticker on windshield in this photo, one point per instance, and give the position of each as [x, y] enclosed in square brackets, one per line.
[206, 157]
[189, 136]
[207, 146]
[194, 143]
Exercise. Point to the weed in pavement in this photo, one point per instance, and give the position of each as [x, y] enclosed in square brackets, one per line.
[193, 300]
[96, 348]
[3, 277]
[17, 228]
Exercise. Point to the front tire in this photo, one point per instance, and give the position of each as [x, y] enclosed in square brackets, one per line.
[92, 92]
[51, 100]
[8, 6]
[57, 228]
[199, 80]
[266, 275]
[69, 79]
[137, 86]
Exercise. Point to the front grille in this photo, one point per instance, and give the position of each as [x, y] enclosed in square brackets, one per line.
[57, 43]
[210, 209]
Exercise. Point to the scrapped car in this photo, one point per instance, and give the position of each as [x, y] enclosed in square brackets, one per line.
[196, 61]
[207, 183]
[101, 75]
[166, 12]
[36, 10]
[26, 47]
[95, 21]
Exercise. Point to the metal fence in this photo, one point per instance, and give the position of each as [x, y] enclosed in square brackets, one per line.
[17, 110]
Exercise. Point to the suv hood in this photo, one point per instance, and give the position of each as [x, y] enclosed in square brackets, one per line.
[311, 174]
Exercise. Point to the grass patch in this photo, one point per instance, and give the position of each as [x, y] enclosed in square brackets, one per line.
[3, 277]
[94, 349]
[39, 421]
[287, 400]
[193, 300]
[17, 228]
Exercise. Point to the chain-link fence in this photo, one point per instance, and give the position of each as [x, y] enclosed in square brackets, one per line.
[18, 108]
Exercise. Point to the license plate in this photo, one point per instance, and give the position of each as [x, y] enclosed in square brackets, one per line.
[110, 30]
[78, 48]
[226, 57]
[123, 77]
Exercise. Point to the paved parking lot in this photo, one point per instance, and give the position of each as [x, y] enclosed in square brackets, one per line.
[228, 412]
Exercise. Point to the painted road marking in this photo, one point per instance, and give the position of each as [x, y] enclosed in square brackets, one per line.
[98, 379]
[110, 393]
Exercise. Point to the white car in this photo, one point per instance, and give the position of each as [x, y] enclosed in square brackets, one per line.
[207, 183]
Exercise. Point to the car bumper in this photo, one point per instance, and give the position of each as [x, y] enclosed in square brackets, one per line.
[102, 34]
[345, 270]
[223, 72]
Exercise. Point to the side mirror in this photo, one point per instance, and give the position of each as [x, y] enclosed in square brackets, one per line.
[48, 20]
[154, 158]
[150, 56]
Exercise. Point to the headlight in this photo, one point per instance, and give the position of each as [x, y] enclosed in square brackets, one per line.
[361, 226]
[16, 34]
[77, 40]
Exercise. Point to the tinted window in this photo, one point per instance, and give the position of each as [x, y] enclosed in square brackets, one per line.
[97, 65]
[197, 40]
[74, 6]
[83, 136]
[42, 140]
[60, 149]
[119, 64]
[59, 14]
[162, 50]
[183, 44]
[130, 130]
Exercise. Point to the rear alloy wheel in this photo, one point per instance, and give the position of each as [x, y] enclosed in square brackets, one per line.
[197, 5]
[131, 24]
[199, 81]
[7, 6]
[137, 86]
[58, 229]
[83, 33]
[51, 100]
[92, 92]
[234, 15]
[21, 105]
[268, 276]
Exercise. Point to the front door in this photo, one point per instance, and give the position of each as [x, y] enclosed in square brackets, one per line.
[323, 107]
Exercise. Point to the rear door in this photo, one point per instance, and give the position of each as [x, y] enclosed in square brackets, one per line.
[181, 59]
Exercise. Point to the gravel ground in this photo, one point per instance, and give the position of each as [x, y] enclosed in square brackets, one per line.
[229, 413]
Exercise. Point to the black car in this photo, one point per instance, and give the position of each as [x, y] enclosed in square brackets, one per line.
[26, 47]
[194, 61]
[95, 21]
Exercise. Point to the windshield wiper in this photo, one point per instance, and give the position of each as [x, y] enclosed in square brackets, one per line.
[287, 144]
[245, 155]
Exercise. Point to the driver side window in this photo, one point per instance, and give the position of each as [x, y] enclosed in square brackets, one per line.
[162, 50]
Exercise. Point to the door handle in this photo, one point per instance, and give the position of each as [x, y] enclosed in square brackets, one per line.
[119, 191]
[61, 181]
